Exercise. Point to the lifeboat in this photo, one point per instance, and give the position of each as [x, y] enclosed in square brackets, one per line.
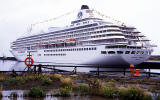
[70, 40]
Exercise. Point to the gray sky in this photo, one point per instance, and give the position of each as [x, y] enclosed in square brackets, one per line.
[17, 15]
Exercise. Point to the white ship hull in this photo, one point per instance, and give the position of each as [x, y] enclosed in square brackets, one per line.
[91, 57]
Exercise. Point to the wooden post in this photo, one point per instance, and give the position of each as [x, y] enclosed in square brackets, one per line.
[75, 70]
[124, 69]
[149, 73]
[98, 70]
[39, 68]
[34, 69]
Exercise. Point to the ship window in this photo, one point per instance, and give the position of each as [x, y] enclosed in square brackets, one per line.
[90, 49]
[111, 52]
[142, 52]
[119, 52]
[138, 52]
[127, 52]
[133, 52]
[103, 52]
[104, 30]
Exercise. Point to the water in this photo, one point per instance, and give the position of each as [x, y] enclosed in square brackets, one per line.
[9, 65]
[6, 96]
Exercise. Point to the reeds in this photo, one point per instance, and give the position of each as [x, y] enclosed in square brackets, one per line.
[36, 92]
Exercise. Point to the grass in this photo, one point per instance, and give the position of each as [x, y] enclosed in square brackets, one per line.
[104, 87]
[96, 87]
[57, 77]
[65, 91]
[133, 93]
[46, 81]
[14, 81]
[3, 77]
[36, 92]
[66, 82]
[109, 92]
[83, 88]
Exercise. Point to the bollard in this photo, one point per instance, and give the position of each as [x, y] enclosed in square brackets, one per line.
[138, 72]
[132, 70]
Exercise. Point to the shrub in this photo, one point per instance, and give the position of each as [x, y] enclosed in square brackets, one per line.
[36, 92]
[109, 92]
[66, 82]
[96, 87]
[111, 84]
[65, 91]
[2, 77]
[57, 77]
[46, 81]
[83, 88]
[14, 94]
[15, 81]
[133, 93]
[34, 77]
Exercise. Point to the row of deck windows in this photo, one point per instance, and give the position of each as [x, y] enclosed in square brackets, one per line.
[72, 49]
[76, 31]
[122, 52]
[54, 54]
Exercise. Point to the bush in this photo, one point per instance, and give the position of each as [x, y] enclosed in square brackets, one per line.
[111, 84]
[65, 91]
[96, 87]
[15, 81]
[46, 81]
[133, 93]
[109, 92]
[36, 92]
[34, 77]
[2, 77]
[66, 82]
[57, 77]
[83, 88]
[14, 94]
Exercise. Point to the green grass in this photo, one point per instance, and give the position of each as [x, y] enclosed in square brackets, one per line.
[46, 81]
[133, 93]
[14, 81]
[36, 92]
[65, 91]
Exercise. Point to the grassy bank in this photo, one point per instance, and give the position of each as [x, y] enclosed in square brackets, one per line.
[72, 85]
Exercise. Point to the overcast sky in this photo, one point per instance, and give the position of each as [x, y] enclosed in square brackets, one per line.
[17, 15]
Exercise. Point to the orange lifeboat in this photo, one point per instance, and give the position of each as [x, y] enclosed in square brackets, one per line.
[70, 40]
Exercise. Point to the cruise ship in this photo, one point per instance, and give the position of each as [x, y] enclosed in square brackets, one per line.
[88, 40]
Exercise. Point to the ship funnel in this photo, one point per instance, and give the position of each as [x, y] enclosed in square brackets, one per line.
[85, 12]
[84, 7]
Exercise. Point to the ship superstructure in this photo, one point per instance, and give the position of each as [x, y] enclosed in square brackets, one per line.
[87, 40]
